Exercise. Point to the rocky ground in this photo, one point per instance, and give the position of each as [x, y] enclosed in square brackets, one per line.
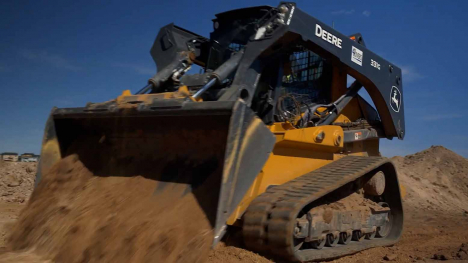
[16, 185]
[436, 212]
[16, 181]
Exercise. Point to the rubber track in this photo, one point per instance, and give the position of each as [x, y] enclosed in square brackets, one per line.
[270, 219]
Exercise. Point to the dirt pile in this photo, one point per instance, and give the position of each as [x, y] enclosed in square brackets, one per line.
[434, 179]
[232, 254]
[23, 257]
[16, 181]
[81, 217]
[8, 216]
[74, 216]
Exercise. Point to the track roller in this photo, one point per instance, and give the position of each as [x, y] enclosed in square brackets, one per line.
[320, 243]
[371, 235]
[358, 236]
[345, 237]
[332, 239]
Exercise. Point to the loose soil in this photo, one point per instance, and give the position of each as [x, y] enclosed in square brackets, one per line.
[74, 216]
[93, 219]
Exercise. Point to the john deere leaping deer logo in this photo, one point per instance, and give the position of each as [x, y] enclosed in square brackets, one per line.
[395, 99]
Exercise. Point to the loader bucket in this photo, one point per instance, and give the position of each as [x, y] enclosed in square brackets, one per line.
[209, 147]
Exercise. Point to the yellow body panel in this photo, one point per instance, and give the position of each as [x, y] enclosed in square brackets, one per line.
[296, 152]
[127, 97]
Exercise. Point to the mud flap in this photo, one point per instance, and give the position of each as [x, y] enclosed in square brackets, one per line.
[213, 150]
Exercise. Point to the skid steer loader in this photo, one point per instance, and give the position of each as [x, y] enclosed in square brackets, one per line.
[291, 152]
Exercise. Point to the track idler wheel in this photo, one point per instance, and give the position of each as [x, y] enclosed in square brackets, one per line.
[345, 237]
[383, 231]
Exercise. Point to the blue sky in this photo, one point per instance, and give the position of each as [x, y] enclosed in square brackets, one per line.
[66, 53]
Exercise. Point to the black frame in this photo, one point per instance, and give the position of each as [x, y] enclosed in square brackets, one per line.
[258, 52]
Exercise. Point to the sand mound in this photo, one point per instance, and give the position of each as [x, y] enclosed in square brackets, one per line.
[74, 216]
[16, 181]
[435, 179]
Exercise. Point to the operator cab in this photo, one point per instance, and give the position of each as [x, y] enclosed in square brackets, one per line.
[285, 79]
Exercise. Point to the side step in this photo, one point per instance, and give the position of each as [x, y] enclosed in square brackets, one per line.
[270, 220]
